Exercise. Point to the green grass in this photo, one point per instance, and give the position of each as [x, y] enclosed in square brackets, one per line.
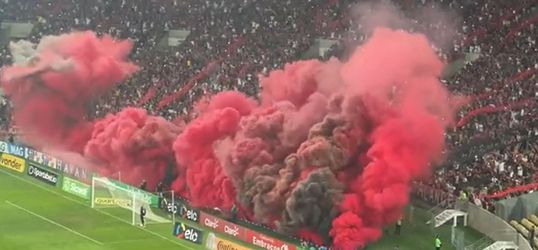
[34, 215]
[37, 216]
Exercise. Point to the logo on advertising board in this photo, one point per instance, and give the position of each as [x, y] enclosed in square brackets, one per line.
[3, 147]
[57, 164]
[189, 213]
[12, 162]
[112, 202]
[41, 158]
[267, 242]
[216, 243]
[188, 233]
[76, 187]
[43, 175]
[17, 150]
[223, 226]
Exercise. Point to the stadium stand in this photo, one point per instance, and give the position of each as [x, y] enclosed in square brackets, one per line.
[525, 226]
[493, 147]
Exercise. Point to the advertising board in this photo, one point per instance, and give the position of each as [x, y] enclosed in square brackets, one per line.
[112, 202]
[189, 213]
[43, 175]
[12, 162]
[45, 160]
[223, 226]
[51, 162]
[77, 188]
[14, 149]
[216, 243]
[182, 209]
[267, 242]
[188, 233]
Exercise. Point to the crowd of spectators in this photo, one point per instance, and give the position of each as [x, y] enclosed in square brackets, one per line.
[492, 148]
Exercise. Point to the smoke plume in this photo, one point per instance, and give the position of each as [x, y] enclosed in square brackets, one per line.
[329, 151]
[52, 89]
[349, 137]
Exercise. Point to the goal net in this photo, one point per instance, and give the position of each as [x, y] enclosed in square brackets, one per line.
[127, 201]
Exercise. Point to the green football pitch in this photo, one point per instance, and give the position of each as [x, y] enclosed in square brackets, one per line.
[35, 216]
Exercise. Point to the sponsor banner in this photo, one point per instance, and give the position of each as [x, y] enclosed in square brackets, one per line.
[112, 202]
[267, 242]
[189, 213]
[171, 208]
[45, 160]
[77, 188]
[188, 233]
[41, 158]
[216, 243]
[182, 210]
[12, 162]
[43, 175]
[57, 164]
[17, 150]
[223, 226]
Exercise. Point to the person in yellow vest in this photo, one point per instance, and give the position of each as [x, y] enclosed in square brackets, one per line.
[438, 243]
[463, 196]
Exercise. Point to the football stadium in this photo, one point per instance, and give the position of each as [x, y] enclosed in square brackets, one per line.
[270, 125]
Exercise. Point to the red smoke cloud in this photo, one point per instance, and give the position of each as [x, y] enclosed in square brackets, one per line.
[329, 152]
[133, 143]
[376, 122]
[50, 94]
[202, 178]
[409, 134]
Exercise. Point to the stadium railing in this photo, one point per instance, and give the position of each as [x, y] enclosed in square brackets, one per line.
[493, 226]
[479, 219]
[517, 208]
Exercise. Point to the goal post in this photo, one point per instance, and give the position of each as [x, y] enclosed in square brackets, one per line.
[126, 201]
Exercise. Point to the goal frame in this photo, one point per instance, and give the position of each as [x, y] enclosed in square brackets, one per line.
[134, 198]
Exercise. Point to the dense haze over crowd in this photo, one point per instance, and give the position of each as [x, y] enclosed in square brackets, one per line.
[492, 146]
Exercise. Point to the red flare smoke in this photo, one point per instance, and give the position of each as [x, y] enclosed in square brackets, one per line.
[50, 96]
[134, 144]
[330, 150]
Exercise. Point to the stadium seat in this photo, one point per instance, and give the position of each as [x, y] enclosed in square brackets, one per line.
[527, 224]
[521, 229]
[534, 219]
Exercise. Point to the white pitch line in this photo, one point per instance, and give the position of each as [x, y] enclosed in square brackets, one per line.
[86, 205]
[54, 223]
[125, 241]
